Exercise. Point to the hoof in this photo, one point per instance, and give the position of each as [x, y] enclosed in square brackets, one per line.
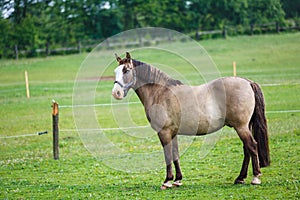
[166, 185]
[163, 187]
[177, 183]
[255, 181]
[237, 181]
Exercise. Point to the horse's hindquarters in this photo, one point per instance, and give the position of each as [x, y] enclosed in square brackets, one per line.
[240, 102]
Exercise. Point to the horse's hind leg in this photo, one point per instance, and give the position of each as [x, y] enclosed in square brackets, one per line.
[250, 148]
[244, 170]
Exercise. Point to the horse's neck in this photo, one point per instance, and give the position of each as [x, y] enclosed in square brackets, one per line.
[144, 94]
[146, 74]
[148, 93]
[151, 82]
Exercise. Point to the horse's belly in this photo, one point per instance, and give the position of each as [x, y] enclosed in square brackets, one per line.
[194, 128]
[202, 110]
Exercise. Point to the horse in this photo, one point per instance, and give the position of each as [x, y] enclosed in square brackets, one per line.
[173, 108]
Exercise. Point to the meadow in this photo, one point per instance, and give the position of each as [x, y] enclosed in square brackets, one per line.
[28, 171]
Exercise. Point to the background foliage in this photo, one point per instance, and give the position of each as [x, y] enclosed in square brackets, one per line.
[43, 24]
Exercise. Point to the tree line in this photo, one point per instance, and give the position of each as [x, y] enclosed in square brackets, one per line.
[28, 25]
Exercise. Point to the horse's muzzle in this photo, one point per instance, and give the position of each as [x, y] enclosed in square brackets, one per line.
[118, 92]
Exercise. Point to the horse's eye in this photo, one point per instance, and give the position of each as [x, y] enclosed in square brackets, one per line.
[125, 70]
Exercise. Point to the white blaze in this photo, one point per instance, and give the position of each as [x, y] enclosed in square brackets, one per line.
[117, 91]
[119, 74]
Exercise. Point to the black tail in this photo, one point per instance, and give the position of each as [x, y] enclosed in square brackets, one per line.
[259, 126]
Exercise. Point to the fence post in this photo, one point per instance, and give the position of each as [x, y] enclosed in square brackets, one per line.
[55, 118]
[251, 29]
[107, 43]
[224, 32]
[27, 85]
[79, 46]
[277, 27]
[47, 49]
[234, 68]
[17, 52]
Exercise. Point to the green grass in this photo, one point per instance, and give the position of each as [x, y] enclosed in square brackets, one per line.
[28, 171]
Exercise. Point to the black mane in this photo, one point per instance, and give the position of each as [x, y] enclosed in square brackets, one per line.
[151, 75]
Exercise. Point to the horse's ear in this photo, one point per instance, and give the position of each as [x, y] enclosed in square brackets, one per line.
[128, 57]
[118, 58]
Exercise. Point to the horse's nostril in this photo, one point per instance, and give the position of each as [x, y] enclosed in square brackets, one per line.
[118, 93]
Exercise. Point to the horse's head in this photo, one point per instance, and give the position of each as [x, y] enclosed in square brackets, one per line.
[125, 77]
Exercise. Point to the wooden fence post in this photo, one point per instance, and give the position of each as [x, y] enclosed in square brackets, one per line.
[251, 29]
[197, 34]
[234, 68]
[224, 32]
[27, 85]
[55, 118]
[17, 52]
[107, 43]
[47, 49]
[79, 46]
[277, 27]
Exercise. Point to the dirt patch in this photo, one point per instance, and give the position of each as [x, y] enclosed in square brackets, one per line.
[102, 78]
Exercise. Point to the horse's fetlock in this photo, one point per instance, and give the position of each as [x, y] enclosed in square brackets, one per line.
[178, 178]
[169, 178]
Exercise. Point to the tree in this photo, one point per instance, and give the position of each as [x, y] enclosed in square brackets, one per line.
[291, 8]
[141, 13]
[32, 24]
[5, 32]
[260, 12]
[110, 22]
[200, 12]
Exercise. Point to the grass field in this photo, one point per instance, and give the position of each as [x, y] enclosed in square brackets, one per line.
[28, 171]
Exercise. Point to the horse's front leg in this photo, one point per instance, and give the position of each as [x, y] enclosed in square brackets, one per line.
[166, 141]
[175, 151]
